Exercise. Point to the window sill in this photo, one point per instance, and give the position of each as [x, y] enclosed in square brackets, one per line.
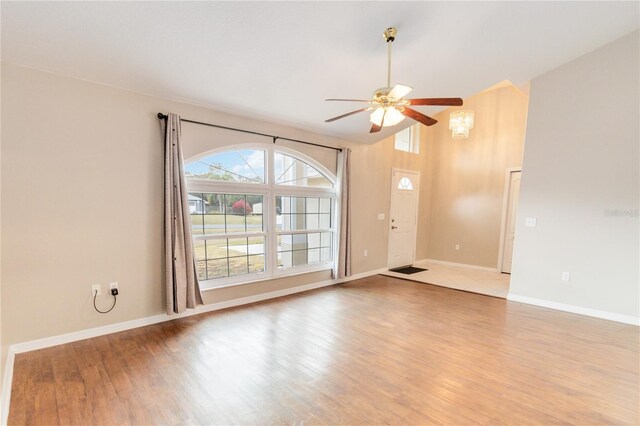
[258, 278]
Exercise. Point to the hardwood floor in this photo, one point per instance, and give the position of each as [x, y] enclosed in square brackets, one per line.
[376, 350]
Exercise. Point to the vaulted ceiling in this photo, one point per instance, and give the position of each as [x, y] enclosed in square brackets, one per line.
[278, 61]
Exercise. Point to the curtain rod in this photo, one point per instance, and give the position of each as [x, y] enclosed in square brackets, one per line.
[162, 116]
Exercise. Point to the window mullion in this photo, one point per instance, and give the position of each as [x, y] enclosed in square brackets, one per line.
[232, 235]
[304, 231]
[271, 257]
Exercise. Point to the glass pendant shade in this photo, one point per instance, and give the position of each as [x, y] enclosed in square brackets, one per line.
[460, 122]
[393, 117]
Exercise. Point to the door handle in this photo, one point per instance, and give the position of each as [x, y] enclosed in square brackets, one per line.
[394, 227]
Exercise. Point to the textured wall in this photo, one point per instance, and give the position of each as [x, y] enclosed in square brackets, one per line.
[581, 182]
[466, 177]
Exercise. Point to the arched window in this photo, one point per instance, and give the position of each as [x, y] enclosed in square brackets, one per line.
[259, 212]
[405, 184]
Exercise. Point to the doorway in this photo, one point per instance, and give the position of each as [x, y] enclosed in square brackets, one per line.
[403, 217]
[512, 193]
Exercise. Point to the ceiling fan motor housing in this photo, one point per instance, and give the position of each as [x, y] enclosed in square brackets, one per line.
[390, 34]
[381, 97]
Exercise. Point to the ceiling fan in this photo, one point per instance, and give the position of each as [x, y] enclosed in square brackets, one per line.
[388, 103]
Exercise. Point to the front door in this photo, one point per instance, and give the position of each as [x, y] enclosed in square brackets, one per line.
[403, 217]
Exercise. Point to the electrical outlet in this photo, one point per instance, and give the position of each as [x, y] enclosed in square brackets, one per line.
[96, 288]
[366, 253]
[113, 285]
[531, 222]
[566, 276]
[380, 216]
[458, 247]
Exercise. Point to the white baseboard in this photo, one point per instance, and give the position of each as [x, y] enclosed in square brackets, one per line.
[457, 265]
[141, 322]
[611, 316]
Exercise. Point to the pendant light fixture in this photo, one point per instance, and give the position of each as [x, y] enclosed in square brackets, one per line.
[460, 122]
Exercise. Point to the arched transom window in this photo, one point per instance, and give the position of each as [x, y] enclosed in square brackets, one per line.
[259, 212]
[405, 184]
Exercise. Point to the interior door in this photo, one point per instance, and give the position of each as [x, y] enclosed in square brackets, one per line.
[403, 217]
[510, 232]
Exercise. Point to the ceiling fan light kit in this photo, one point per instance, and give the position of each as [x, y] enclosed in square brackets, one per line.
[384, 117]
[388, 105]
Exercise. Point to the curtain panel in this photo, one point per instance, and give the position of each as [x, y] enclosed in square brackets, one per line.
[181, 281]
[342, 266]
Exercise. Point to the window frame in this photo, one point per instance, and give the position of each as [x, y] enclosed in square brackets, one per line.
[414, 139]
[269, 191]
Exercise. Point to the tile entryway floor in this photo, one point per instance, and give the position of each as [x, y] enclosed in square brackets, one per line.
[460, 278]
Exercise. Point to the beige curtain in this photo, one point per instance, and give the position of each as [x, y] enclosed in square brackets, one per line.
[183, 290]
[342, 266]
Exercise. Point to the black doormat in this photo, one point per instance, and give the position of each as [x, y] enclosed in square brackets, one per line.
[408, 270]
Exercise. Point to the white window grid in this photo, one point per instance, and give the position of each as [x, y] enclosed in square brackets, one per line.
[269, 192]
[408, 139]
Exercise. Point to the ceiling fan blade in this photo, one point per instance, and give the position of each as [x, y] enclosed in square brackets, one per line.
[436, 101]
[399, 91]
[375, 128]
[345, 115]
[348, 100]
[418, 116]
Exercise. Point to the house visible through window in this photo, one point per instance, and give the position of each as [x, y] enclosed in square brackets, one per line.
[296, 244]
[259, 213]
[408, 139]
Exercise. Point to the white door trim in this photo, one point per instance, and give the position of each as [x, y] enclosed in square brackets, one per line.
[393, 170]
[505, 208]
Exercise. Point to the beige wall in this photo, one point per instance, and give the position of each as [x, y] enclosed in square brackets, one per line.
[81, 181]
[372, 189]
[581, 181]
[82, 200]
[466, 177]
[3, 347]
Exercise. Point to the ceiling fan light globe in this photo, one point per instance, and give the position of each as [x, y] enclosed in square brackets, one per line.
[393, 117]
[376, 116]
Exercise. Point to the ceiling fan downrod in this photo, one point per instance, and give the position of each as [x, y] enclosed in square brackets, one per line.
[389, 36]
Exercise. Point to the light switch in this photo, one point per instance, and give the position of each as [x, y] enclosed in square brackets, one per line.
[531, 222]
[380, 216]
[566, 276]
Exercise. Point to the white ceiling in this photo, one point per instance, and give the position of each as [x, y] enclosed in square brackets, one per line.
[279, 60]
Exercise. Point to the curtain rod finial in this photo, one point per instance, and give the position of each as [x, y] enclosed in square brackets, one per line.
[161, 116]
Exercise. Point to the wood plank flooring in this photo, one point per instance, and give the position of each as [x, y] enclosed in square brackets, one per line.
[373, 351]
